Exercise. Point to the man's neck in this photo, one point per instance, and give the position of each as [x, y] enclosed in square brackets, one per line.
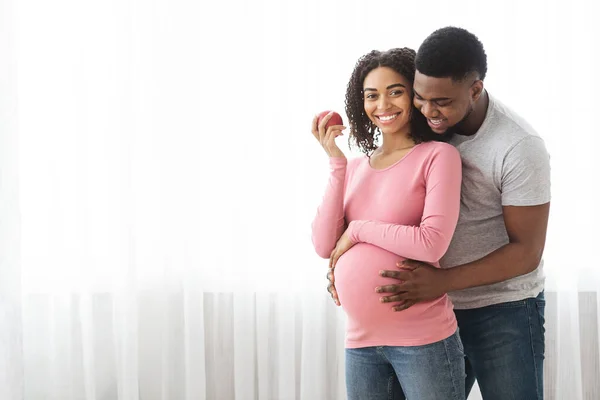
[471, 125]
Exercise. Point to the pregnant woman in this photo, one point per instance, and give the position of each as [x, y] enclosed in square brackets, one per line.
[401, 200]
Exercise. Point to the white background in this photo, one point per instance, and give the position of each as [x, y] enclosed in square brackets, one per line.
[160, 156]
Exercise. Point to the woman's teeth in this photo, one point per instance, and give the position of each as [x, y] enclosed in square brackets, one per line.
[388, 117]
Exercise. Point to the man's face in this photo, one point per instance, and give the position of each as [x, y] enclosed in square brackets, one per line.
[444, 102]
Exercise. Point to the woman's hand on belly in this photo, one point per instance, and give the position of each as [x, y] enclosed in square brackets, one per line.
[331, 287]
[343, 245]
[357, 276]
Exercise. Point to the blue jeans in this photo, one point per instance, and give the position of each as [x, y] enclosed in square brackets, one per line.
[431, 372]
[504, 348]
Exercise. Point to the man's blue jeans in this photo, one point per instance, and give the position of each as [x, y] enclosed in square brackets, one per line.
[504, 348]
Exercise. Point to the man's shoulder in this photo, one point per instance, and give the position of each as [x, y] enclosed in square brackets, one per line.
[502, 130]
[507, 125]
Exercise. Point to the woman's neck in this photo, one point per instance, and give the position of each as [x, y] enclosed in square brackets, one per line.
[395, 141]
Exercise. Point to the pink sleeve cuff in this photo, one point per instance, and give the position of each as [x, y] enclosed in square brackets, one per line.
[338, 161]
[354, 230]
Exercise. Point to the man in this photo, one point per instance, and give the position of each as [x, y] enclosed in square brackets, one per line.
[493, 267]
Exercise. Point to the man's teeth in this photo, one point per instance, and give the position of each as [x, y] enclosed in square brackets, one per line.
[388, 118]
[436, 121]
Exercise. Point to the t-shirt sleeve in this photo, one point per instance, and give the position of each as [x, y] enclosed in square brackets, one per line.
[526, 174]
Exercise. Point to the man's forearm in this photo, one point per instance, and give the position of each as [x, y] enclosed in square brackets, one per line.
[509, 261]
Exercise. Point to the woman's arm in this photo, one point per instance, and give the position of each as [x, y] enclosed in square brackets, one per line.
[329, 224]
[429, 241]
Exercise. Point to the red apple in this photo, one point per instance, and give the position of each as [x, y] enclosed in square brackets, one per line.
[335, 119]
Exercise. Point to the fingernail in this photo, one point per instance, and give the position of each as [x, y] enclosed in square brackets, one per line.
[382, 299]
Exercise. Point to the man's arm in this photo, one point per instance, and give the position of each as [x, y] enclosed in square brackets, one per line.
[525, 208]
[526, 228]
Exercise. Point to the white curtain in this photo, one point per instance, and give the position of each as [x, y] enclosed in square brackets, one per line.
[11, 346]
[158, 180]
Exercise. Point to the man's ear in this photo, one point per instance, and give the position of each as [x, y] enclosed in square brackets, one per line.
[476, 89]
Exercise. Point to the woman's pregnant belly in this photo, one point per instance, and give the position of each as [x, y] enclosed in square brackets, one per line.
[372, 323]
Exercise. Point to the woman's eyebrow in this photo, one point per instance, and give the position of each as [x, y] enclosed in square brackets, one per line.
[389, 87]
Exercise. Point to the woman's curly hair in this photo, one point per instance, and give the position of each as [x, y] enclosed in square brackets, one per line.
[362, 131]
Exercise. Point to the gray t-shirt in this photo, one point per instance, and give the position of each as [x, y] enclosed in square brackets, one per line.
[504, 164]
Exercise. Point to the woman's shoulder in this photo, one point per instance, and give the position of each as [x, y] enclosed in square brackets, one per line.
[435, 147]
[357, 160]
[439, 153]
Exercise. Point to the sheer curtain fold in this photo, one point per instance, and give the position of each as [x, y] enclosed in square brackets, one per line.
[158, 178]
[11, 342]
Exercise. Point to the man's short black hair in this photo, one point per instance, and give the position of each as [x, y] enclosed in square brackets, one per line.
[451, 53]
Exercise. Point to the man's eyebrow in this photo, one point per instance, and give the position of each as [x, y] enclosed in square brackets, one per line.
[389, 87]
[434, 99]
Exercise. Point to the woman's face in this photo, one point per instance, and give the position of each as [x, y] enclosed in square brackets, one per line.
[388, 100]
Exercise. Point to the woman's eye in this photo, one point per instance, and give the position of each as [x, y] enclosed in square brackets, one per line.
[397, 93]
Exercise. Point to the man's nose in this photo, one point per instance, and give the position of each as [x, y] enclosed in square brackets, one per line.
[428, 110]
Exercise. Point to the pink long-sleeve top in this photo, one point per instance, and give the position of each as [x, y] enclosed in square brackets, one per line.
[407, 210]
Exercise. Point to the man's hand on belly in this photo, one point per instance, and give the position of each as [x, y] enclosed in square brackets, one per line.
[419, 281]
